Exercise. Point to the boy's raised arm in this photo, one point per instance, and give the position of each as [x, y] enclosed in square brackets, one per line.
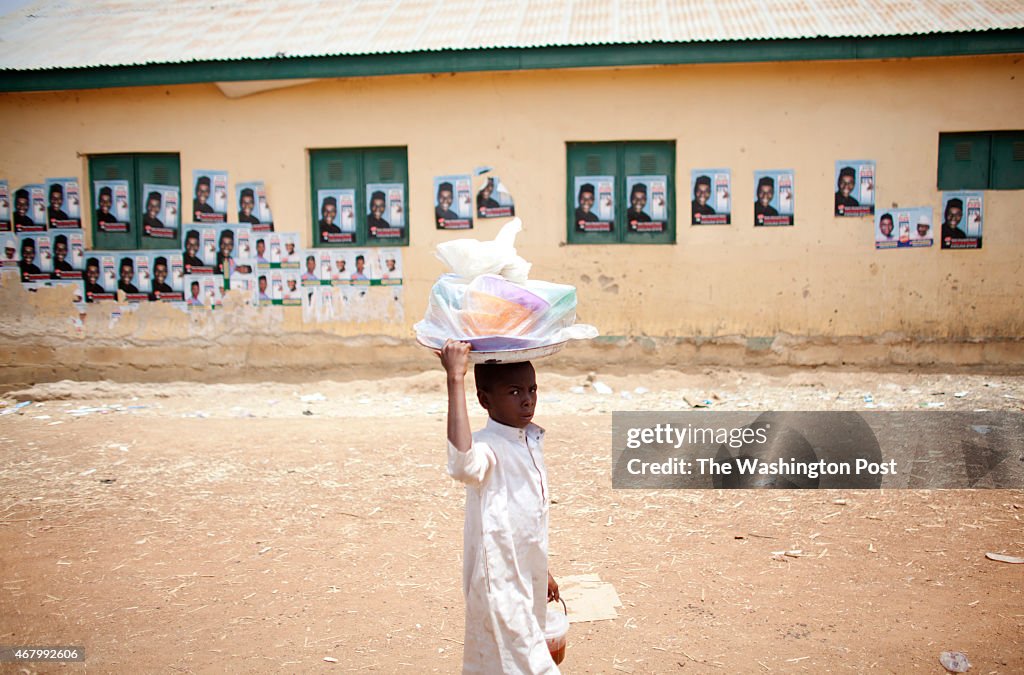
[455, 359]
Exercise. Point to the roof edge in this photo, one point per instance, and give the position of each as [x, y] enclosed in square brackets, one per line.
[511, 59]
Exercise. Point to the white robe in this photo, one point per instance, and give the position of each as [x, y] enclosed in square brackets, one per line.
[505, 568]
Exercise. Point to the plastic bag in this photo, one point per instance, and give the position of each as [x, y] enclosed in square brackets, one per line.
[495, 314]
[469, 258]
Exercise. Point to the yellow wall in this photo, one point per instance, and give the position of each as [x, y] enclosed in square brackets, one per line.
[820, 278]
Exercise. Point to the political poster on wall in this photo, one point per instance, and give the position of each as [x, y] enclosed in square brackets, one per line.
[647, 208]
[64, 211]
[253, 208]
[35, 256]
[385, 205]
[5, 207]
[773, 197]
[160, 220]
[68, 255]
[204, 291]
[209, 196]
[111, 205]
[962, 218]
[30, 208]
[168, 276]
[711, 189]
[337, 223]
[855, 188]
[493, 199]
[595, 203]
[453, 202]
[904, 228]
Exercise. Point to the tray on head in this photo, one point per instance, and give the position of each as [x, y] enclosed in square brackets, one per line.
[509, 355]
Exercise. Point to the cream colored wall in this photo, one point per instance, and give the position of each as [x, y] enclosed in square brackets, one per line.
[820, 278]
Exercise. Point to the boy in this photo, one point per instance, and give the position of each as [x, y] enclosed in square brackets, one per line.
[504, 573]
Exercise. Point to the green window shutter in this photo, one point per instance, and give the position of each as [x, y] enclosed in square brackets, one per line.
[156, 169]
[336, 169]
[592, 159]
[964, 161]
[113, 167]
[650, 159]
[385, 165]
[1007, 172]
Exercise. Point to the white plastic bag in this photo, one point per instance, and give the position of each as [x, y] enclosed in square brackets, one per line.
[469, 258]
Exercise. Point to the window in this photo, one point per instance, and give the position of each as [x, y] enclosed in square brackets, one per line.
[124, 184]
[982, 160]
[621, 193]
[360, 197]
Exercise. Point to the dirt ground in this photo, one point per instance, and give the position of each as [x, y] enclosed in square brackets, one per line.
[240, 528]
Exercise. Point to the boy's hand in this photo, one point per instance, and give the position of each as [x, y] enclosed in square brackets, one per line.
[552, 589]
[454, 357]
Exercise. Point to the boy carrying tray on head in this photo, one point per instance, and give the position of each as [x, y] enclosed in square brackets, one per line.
[505, 577]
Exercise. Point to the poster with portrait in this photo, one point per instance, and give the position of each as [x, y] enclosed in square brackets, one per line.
[168, 276]
[35, 256]
[204, 291]
[160, 211]
[64, 204]
[855, 188]
[111, 211]
[200, 249]
[385, 206]
[340, 270]
[389, 262]
[68, 254]
[253, 208]
[235, 252]
[337, 222]
[595, 203]
[133, 278]
[291, 293]
[10, 255]
[962, 218]
[325, 266]
[30, 208]
[710, 190]
[310, 270]
[5, 207]
[209, 196]
[100, 276]
[773, 198]
[904, 228]
[493, 199]
[647, 203]
[453, 202]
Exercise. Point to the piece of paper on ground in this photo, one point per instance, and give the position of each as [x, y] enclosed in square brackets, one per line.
[588, 598]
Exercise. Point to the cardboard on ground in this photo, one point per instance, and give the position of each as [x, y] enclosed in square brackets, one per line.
[588, 598]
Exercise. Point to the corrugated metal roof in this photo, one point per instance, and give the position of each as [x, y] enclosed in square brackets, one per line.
[65, 34]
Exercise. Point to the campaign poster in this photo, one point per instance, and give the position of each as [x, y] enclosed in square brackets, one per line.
[493, 200]
[310, 271]
[160, 220]
[291, 293]
[35, 256]
[96, 287]
[132, 278]
[773, 198]
[68, 255]
[262, 293]
[10, 256]
[64, 208]
[389, 262]
[339, 269]
[362, 270]
[235, 250]
[290, 253]
[595, 203]
[385, 206]
[5, 207]
[325, 266]
[30, 208]
[962, 217]
[204, 291]
[168, 276]
[337, 223]
[710, 203]
[112, 212]
[453, 202]
[200, 249]
[647, 210]
[855, 188]
[253, 208]
[209, 196]
[904, 228]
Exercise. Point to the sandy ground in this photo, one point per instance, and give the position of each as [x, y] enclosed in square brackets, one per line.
[240, 528]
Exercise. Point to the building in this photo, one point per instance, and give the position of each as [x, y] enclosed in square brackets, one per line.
[328, 96]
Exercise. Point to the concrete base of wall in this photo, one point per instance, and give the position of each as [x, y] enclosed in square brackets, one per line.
[304, 357]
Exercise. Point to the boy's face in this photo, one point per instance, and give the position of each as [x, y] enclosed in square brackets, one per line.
[512, 398]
